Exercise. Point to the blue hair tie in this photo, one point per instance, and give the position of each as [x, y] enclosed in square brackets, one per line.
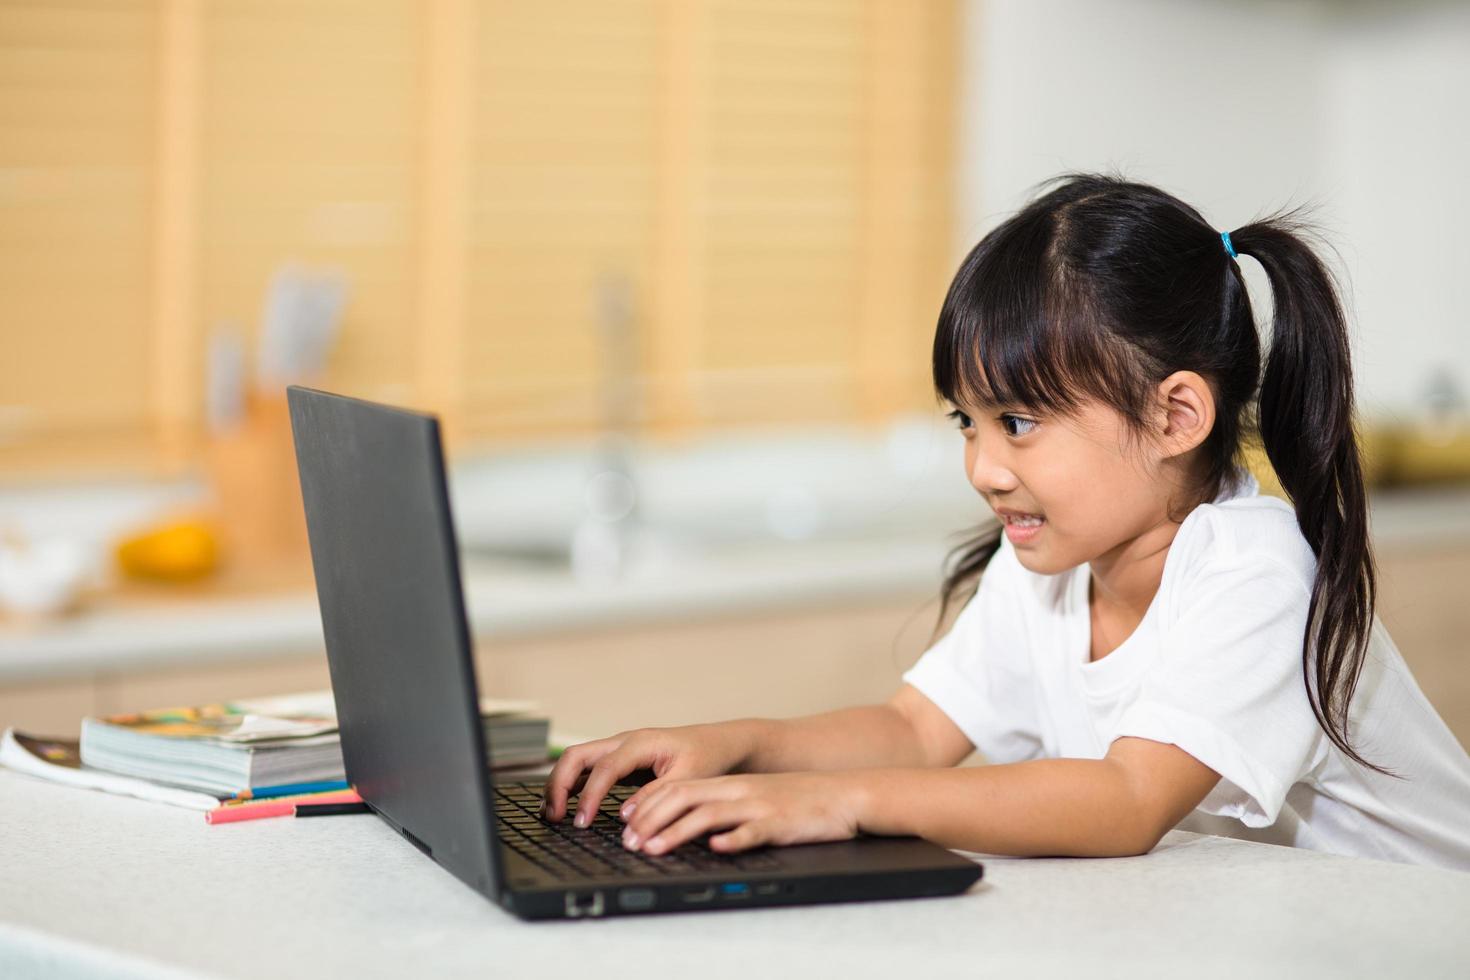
[1225, 237]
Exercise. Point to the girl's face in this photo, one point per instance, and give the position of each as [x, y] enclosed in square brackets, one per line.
[1070, 489]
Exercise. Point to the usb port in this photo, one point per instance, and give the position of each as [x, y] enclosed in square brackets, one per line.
[767, 888]
[735, 889]
[699, 894]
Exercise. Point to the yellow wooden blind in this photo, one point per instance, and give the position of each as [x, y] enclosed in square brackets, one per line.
[309, 135]
[564, 161]
[77, 104]
[783, 205]
[770, 180]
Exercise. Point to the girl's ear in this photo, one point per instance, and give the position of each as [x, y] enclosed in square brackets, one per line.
[1186, 412]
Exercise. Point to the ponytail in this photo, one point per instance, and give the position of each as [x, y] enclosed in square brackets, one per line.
[1305, 420]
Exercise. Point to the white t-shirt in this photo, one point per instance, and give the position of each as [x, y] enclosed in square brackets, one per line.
[1215, 667]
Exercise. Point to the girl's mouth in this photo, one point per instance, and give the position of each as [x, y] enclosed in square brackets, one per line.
[1022, 529]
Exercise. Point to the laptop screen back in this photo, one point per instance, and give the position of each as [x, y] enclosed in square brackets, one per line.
[388, 582]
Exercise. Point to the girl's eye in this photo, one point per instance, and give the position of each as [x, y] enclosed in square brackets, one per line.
[1026, 424]
[961, 419]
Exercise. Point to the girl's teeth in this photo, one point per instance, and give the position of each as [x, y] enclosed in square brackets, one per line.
[1026, 521]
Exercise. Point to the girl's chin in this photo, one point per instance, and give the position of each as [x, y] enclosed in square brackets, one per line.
[1043, 560]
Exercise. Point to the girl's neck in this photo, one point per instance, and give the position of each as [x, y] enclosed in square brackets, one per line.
[1126, 578]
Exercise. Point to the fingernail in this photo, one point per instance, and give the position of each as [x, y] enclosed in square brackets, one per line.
[630, 841]
[628, 809]
[581, 820]
[654, 845]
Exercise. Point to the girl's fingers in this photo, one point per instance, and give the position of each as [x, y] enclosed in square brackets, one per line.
[631, 803]
[647, 790]
[660, 805]
[607, 770]
[567, 774]
[656, 784]
[704, 817]
[669, 802]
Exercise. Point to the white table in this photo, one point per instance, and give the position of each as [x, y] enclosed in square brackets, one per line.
[93, 885]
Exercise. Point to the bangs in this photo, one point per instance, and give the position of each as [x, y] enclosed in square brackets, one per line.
[1017, 330]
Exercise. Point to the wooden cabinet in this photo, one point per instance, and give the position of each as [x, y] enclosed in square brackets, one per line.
[1424, 601]
[591, 682]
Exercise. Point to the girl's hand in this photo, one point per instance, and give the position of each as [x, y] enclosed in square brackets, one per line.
[591, 768]
[749, 810]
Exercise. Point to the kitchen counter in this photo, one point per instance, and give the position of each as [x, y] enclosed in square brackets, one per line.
[504, 599]
[509, 598]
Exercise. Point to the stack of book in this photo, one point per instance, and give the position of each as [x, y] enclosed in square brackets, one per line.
[200, 756]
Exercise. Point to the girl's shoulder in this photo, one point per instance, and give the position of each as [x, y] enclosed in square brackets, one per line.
[1248, 530]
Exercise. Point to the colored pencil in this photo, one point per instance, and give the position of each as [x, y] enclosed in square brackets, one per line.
[235, 812]
[292, 796]
[291, 789]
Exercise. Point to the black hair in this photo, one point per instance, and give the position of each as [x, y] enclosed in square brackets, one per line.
[1102, 287]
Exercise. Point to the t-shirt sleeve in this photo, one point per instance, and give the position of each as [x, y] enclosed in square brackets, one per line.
[1228, 687]
[979, 673]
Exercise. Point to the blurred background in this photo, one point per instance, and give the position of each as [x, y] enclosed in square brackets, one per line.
[668, 272]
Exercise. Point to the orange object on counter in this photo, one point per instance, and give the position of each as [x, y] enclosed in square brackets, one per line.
[181, 551]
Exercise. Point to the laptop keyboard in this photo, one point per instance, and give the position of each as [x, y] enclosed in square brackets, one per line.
[568, 851]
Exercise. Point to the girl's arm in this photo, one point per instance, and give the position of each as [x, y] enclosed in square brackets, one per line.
[908, 730]
[1111, 807]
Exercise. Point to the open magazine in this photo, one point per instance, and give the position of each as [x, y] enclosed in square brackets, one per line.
[60, 761]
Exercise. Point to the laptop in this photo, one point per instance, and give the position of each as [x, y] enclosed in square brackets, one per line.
[387, 570]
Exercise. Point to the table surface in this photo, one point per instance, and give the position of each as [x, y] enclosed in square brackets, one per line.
[96, 885]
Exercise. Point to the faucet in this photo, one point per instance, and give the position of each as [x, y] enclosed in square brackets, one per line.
[602, 544]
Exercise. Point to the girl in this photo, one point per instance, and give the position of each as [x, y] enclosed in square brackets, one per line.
[1150, 638]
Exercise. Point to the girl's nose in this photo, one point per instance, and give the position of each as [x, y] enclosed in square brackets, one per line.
[988, 475]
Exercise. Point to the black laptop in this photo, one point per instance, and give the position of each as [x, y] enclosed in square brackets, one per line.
[403, 676]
